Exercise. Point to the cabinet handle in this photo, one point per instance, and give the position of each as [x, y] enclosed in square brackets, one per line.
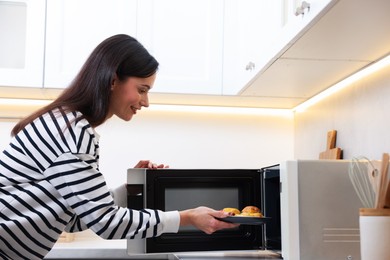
[301, 9]
[250, 66]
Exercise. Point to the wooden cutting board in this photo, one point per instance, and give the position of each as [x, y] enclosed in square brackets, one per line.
[332, 152]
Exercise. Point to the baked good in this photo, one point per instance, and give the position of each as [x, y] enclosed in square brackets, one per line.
[244, 214]
[248, 211]
[251, 211]
[256, 214]
[232, 210]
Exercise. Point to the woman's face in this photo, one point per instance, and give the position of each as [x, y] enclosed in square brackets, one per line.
[129, 95]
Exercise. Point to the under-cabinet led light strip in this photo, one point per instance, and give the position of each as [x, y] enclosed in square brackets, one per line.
[169, 108]
[344, 83]
[24, 102]
[221, 110]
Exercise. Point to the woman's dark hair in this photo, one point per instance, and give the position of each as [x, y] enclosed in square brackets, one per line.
[89, 93]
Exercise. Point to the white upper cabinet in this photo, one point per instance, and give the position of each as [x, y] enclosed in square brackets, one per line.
[186, 37]
[76, 27]
[250, 27]
[258, 32]
[22, 28]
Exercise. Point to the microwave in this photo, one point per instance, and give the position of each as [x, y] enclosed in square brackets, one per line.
[214, 188]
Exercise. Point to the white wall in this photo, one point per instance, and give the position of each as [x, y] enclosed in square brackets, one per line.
[359, 113]
[189, 140]
[6, 126]
[194, 140]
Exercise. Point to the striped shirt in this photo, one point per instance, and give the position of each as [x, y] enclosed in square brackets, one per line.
[50, 182]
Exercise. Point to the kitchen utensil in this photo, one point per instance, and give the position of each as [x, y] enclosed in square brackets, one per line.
[381, 196]
[362, 174]
[387, 201]
[331, 151]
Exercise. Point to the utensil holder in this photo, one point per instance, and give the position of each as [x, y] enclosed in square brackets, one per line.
[374, 233]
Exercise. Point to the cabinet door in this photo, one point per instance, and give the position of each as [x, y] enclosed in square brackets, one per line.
[294, 26]
[186, 37]
[297, 21]
[22, 28]
[251, 26]
[76, 27]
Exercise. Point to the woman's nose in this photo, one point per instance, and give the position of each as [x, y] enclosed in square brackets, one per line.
[145, 101]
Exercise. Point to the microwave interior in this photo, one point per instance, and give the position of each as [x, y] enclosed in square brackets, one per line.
[180, 189]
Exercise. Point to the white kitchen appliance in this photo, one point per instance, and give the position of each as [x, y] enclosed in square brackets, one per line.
[319, 211]
[178, 189]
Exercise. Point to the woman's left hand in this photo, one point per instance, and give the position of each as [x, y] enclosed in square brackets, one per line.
[148, 164]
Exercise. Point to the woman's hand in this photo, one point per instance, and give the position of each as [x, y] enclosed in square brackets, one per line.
[148, 164]
[203, 218]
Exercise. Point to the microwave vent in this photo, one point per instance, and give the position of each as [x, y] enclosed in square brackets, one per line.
[337, 235]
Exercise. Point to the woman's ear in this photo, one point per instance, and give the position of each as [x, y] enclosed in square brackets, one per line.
[114, 82]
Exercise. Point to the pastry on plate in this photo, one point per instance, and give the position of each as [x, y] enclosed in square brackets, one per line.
[232, 210]
[251, 211]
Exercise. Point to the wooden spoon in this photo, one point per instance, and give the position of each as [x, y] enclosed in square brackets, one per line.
[387, 199]
[381, 196]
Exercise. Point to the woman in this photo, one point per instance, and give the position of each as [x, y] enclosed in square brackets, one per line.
[49, 174]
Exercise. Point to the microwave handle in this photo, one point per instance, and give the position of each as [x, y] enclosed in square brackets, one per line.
[135, 196]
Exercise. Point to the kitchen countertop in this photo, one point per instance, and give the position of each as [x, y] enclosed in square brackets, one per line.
[114, 253]
[88, 245]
